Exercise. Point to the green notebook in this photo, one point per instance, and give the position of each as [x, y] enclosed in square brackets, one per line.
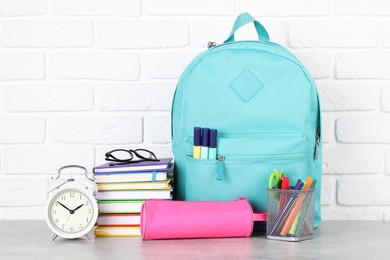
[120, 206]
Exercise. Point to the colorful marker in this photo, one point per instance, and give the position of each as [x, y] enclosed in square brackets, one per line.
[204, 149]
[197, 142]
[283, 195]
[213, 144]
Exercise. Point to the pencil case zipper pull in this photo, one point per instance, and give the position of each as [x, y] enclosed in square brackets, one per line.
[220, 172]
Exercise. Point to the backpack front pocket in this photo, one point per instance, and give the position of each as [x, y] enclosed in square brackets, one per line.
[243, 166]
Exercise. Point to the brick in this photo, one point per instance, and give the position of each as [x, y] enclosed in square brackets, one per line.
[22, 66]
[387, 161]
[159, 151]
[285, 7]
[142, 97]
[22, 7]
[23, 192]
[34, 156]
[363, 191]
[327, 191]
[24, 213]
[2, 106]
[156, 34]
[351, 159]
[386, 35]
[22, 130]
[96, 130]
[106, 66]
[351, 213]
[386, 98]
[158, 129]
[205, 31]
[189, 7]
[355, 97]
[319, 64]
[362, 7]
[97, 7]
[363, 65]
[167, 65]
[363, 129]
[327, 131]
[47, 34]
[61, 97]
[332, 33]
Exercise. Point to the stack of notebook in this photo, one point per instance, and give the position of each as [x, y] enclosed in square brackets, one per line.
[123, 188]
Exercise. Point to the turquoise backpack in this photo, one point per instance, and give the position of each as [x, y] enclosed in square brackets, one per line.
[265, 106]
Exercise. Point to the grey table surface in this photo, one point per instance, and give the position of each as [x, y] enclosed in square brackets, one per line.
[31, 239]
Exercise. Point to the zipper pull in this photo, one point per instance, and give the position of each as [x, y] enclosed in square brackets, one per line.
[318, 137]
[211, 45]
[220, 168]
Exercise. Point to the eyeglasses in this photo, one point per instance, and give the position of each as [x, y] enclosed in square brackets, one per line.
[122, 156]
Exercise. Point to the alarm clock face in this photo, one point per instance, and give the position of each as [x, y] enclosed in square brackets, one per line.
[71, 213]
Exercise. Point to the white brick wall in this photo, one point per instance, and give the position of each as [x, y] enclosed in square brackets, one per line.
[96, 7]
[47, 34]
[137, 97]
[362, 7]
[189, 7]
[22, 66]
[22, 129]
[167, 65]
[22, 7]
[284, 8]
[363, 65]
[143, 35]
[333, 34]
[95, 65]
[48, 97]
[81, 77]
[95, 130]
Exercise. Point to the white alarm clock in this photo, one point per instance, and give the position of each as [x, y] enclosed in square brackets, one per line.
[71, 210]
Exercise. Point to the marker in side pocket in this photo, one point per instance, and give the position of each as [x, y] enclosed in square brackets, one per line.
[204, 150]
[213, 144]
[197, 142]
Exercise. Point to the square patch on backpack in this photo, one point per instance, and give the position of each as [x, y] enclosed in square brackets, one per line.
[246, 85]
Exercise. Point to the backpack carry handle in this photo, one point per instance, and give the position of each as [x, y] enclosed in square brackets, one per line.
[244, 19]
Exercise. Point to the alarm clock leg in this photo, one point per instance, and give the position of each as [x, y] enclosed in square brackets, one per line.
[54, 237]
[87, 236]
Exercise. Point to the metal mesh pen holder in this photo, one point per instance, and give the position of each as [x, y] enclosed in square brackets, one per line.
[290, 214]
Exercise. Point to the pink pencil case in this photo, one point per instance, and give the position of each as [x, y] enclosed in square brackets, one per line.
[166, 219]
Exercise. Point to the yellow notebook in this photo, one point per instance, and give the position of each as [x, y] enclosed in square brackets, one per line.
[157, 185]
[117, 231]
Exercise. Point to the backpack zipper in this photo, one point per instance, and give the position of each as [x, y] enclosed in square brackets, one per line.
[318, 137]
[220, 168]
[220, 171]
[211, 45]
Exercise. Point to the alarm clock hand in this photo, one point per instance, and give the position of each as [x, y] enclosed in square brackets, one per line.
[78, 208]
[64, 206]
